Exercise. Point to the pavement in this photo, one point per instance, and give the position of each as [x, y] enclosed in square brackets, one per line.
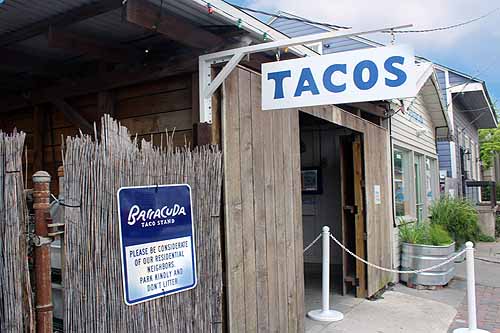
[403, 309]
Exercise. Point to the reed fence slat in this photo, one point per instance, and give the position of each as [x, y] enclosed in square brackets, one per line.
[93, 172]
[16, 312]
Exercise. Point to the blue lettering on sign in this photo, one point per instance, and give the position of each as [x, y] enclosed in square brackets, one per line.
[157, 241]
[372, 74]
[306, 77]
[278, 78]
[328, 80]
[400, 75]
[365, 76]
[415, 117]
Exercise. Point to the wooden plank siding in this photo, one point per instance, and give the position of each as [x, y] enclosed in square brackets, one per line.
[404, 129]
[263, 224]
[379, 217]
[265, 282]
[146, 109]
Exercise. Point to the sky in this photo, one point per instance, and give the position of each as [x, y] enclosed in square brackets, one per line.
[473, 49]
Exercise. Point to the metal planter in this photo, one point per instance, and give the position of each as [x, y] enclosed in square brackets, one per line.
[415, 256]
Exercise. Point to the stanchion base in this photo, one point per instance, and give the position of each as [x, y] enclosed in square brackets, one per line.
[329, 315]
[466, 330]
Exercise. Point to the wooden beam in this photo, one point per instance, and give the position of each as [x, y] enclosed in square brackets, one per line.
[69, 41]
[372, 108]
[72, 16]
[94, 84]
[147, 15]
[73, 116]
[202, 134]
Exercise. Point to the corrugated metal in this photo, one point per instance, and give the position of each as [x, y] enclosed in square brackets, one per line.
[343, 44]
[414, 256]
[16, 14]
[191, 11]
[475, 100]
[293, 28]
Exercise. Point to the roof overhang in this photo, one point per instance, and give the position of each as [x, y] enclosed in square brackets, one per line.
[476, 104]
[428, 88]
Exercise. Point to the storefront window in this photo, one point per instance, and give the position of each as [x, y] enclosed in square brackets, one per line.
[429, 166]
[400, 178]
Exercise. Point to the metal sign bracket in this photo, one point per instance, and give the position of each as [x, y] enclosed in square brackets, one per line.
[208, 85]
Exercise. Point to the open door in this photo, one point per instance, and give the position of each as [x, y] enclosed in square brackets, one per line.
[353, 214]
[359, 217]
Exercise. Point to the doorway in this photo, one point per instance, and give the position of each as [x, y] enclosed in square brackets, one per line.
[333, 195]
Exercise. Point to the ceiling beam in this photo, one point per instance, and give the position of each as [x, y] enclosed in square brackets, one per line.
[67, 18]
[73, 116]
[83, 45]
[370, 107]
[88, 85]
[150, 16]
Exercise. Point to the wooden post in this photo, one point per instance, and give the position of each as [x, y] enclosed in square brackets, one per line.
[41, 193]
[202, 134]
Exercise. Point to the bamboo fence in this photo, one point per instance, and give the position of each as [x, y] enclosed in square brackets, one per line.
[92, 277]
[16, 312]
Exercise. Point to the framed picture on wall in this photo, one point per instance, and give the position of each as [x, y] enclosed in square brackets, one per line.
[311, 181]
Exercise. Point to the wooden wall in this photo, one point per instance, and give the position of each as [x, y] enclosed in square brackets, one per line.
[377, 161]
[147, 109]
[263, 224]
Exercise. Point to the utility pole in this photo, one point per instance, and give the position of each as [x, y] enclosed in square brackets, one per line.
[43, 296]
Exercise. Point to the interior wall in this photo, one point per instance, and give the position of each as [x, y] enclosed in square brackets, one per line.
[146, 109]
[318, 210]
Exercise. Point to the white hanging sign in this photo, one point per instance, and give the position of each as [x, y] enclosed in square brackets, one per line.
[355, 76]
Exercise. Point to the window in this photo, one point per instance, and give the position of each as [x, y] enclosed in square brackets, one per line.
[401, 178]
[419, 200]
[430, 180]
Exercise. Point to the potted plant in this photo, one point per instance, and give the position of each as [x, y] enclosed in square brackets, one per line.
[459, 217]
[425, 245]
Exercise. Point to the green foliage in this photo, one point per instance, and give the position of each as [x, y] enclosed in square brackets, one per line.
[438, 235]
[486, 192]
[489, 141]
[424, 234]
[457, 216]
[486, 238]
[412, 233]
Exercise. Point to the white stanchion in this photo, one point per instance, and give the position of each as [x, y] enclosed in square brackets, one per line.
[471, 293]
[325, 313]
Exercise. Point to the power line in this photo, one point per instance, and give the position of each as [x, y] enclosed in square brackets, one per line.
[446, 27]
[258, 11]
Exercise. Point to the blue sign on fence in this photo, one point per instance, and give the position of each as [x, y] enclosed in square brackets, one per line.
[157, 241]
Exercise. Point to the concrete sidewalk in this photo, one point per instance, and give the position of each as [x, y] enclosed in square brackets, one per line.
[395, 312]
[404, 309]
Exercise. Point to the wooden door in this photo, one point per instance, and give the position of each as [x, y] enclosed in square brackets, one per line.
[263, 211]
[353, 212]
[359, 217]
[378, 184]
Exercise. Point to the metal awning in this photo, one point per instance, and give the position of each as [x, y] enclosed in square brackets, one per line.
[472, 99]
